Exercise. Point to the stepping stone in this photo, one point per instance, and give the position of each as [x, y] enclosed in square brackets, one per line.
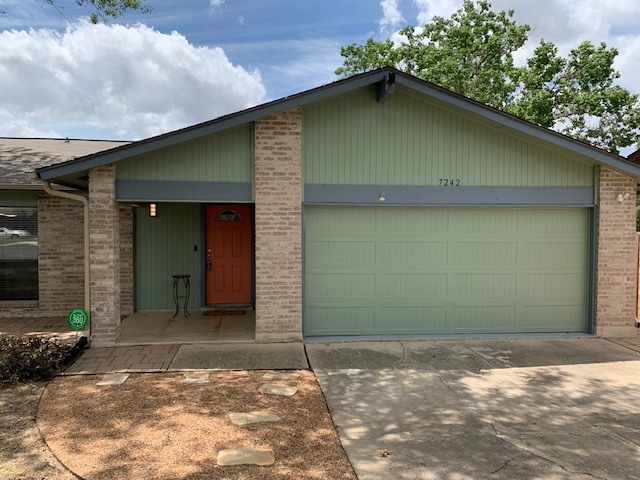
[252, 417]
[198, 377]
[280, 376]
[113, 379]
[271, 389]
[246, 456]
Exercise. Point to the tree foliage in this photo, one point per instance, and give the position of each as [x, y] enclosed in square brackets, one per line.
[578, 96]
[472, 54]
[109, 9]
[105, 9]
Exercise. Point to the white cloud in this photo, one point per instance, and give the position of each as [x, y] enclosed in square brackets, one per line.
[427, 9]
[391, 16]
[133, 81]
[215, 3]
[628, 60]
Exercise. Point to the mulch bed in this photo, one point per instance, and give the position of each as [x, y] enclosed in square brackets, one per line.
[157, 426]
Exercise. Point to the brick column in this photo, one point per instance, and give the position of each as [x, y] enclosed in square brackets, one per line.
[616, 260]
[104, 244]
[278, 225]
[126, 260]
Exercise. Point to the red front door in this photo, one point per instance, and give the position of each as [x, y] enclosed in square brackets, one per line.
[228, 254]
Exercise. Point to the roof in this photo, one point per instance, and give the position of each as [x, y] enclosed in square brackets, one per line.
[21, 155]
[74, 172]
[634, 157]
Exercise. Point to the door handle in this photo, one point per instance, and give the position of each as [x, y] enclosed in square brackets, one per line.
[208, 266]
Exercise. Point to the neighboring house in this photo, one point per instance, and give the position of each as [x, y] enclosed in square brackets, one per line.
[376, 205]
[41, 254]
[634, 157]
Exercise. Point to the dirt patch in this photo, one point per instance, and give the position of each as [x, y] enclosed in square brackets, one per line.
[23, 453]
[157, 426]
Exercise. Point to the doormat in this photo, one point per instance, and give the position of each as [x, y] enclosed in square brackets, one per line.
[221, 313]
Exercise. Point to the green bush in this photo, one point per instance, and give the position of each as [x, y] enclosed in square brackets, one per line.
[30, 358]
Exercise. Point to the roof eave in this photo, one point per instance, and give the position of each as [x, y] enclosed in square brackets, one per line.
[80, 166]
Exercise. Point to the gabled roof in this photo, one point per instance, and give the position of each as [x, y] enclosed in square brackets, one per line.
[21, 155]
[74, 172]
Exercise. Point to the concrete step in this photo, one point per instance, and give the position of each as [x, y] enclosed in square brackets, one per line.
[270, 389]
[241, 418]
[196, 377]
[246, 456]
[113, 379]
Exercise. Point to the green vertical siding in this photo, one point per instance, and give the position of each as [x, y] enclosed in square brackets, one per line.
[377, 270]
[165, 246]
[409, 140]
[222, 157]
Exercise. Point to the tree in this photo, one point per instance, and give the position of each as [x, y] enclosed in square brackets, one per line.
[109, 9]
[105, 9]
[577, 96]
[472, 54]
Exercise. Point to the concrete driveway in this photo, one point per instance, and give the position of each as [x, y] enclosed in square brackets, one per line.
[474, 409]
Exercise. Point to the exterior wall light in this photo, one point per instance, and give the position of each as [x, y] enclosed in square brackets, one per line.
[153, 210]
[382, 197]
[621, 197]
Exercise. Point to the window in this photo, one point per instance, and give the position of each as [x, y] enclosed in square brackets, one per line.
[18, 253]
[229, 216]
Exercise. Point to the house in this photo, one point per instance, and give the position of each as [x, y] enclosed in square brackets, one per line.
[41, 267]
[377, 205]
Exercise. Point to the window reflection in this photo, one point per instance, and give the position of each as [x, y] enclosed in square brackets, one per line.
[18, 253]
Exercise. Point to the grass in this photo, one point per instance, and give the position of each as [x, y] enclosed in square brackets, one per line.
[9, 241]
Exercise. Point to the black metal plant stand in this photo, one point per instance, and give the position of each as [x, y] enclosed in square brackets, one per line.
[184, 281]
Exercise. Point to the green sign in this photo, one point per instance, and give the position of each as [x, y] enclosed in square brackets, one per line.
[78, 318]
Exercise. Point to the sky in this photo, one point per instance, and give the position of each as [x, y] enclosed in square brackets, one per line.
[191, 61]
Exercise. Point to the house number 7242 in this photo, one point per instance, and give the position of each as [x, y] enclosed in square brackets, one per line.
[449, 182]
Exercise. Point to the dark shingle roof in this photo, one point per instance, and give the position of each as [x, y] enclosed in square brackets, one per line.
[21, 155]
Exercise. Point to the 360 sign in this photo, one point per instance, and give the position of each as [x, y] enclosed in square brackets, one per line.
[77, 318]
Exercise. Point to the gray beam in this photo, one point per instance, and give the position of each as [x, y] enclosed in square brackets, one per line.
[445, 196]
[182, 191]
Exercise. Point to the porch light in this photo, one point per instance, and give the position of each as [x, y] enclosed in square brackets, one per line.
[382, 197]
[153, 210]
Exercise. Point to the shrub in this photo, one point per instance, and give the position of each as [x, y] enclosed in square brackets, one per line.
[30, 358]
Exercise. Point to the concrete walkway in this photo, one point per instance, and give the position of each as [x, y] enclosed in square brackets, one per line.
[141, 359]
[168, 358]
[471, 409]
[48, 327]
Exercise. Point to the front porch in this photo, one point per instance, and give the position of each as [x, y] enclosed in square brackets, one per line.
[157, 327]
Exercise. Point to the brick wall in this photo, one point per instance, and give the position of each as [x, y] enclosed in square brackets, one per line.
[60, 261]
[278, 211]
[616, 259]
[104, 244]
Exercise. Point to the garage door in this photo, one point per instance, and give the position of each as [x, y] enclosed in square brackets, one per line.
[416, 270]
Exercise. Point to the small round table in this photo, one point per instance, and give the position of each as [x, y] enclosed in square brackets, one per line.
[181, 279]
